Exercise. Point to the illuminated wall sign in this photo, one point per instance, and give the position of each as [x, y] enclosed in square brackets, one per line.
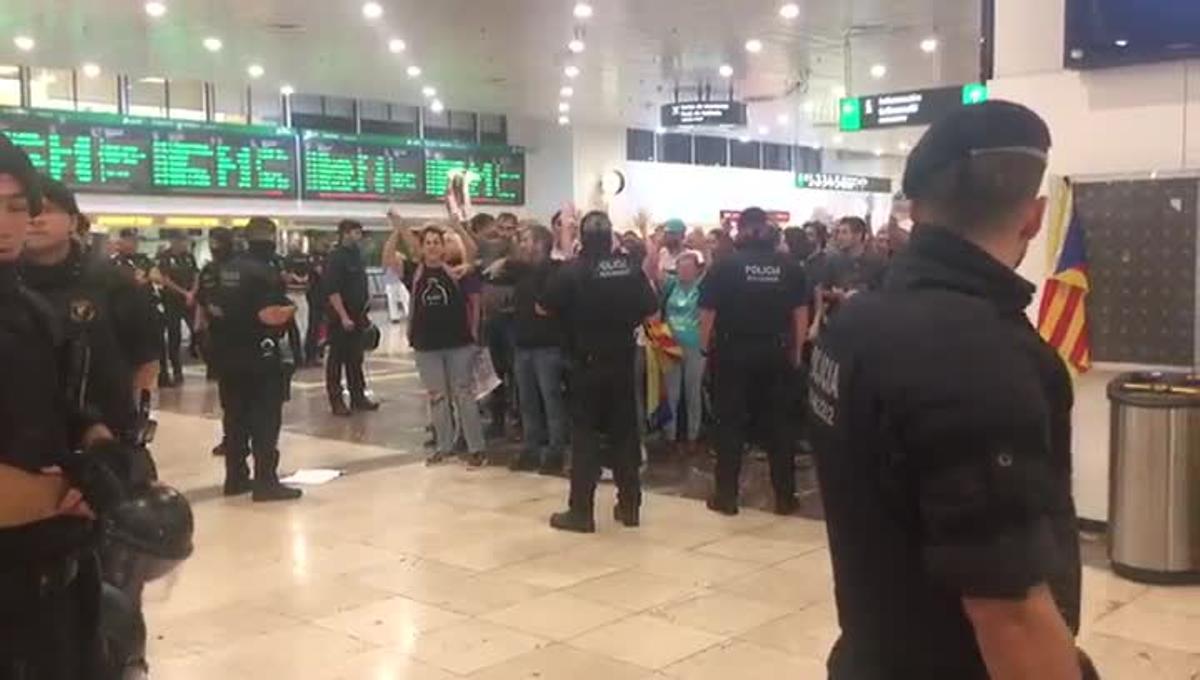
[834, 182]
[105, 153]
[704, 114]
[779, 217]
[916, 107]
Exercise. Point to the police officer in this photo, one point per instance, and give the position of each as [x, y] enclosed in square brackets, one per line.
[248, 313]
[179, 281]
[142, 269]
[49, 580]
[754, 318]
[349, 297]
[601, 297]
[105, 315]
[942, 428]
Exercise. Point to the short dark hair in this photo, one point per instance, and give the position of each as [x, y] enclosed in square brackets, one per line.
[556, 218]
[753, 218]
[858, 226]
[975, 193]
[54, 191]
[428, 229]
[795, 238]
[260, 229]
[481, 221]
[15, 162]
[507, 217]
[346, 226]
[543, 237]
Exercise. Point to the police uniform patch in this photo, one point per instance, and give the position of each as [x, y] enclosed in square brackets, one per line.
[82, 311]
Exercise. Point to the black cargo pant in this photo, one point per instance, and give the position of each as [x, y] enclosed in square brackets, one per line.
[252, 398]
[345, 353]
[602, 404]
[50, 621]
[753, 374]
[175, 314]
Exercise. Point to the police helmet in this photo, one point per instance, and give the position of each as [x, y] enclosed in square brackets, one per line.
[595, 233]
[15, 162]
[152, 529]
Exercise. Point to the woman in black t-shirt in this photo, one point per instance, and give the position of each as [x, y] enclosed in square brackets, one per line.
[443, 331]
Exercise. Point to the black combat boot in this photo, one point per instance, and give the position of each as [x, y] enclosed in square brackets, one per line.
[574, 521]
[629, 515]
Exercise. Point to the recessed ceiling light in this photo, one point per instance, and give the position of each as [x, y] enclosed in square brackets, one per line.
[413, 71]
[571, 71]
[287, 90]
[583, 10]
[255, 71]
[437, 106]
[660, 130]
[564, 107]
[429, 91]
[372, 10]
[878, 71]
[24, 43]
[754, 46]
[744, 139]
[576, 46]
[789, 11]
[929, 45]
[396, 46]
[1122, 43]
[563, 120]
[91, 70]
[567, 91]
[878, 152]
[152, 80]
[782, 119]
[726, 71]
[839, 91]
[213, 44]
[809, 106]
[838, 140]
[763, 129]
[155, 9]
[47, 78]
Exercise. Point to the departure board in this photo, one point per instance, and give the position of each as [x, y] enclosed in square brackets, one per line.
[118, 154]
[363, 167]
[495, 176]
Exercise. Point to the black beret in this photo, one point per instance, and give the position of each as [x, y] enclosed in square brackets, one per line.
[14, 161]
[992, 127]
[56, 192]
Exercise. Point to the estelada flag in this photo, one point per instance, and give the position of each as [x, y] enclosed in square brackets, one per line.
[1062, 318]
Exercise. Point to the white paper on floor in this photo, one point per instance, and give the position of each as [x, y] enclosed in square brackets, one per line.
[314, 477]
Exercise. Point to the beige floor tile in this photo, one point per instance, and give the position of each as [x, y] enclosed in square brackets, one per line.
[508, 549]
[472, 646]
[388, 663]
[321, 598]
[804, 532]
[557, 616]
[1177, 600]
[210, 630]
[646, 641]
[744, 662]
[809, 633]
[560, 662]
[813, 563]
[1140, 623]
[783, 588]
[303, 651]
[1120, 658]
[754, 549]
[720, 613]
[560, 570]
[404, 576]
[395, 621]
[632, 590]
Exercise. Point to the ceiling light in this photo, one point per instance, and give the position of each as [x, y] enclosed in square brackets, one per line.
[839, 91]
[878, 152]
[255, 71]
[396, 46]
[789, 11]
[660, 130]
[155, 9]
[153, 80]
[929, 45]
[878, 71]
[576, 46]
[564, 107]
[838, 140]
[571, 71]
[726, 71]
[24, 43]
[744, 139]
[413, 71]
[563, 120]
[429, 91]
[583, 10]
[91, 70]
[763, 129]
[372, 10]
[287, 90]
[213, 44]
[567, 91]
[437, 106]
[1122, 43]
[754, 46]
[809, 106]
[782, 119]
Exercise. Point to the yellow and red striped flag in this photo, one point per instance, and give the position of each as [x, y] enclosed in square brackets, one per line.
[1062, 318]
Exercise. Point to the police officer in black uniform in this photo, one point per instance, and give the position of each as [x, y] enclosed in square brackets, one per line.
[105, 315]
[754, 319]
[49, 579]
[601, 297]
[247, 314]
[349, 298]
[942, 429]
[144, 272]
[179, 280]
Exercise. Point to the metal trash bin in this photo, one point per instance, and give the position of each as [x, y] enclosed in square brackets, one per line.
[1154, 477]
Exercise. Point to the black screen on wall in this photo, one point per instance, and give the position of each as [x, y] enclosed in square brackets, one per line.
[1105, 33]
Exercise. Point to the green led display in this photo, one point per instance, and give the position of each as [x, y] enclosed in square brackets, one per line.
[850, 114]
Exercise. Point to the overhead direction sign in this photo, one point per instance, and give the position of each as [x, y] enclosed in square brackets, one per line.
[828, 181]
[914, 107]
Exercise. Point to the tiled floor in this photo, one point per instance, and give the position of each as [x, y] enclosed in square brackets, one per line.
[402, 572]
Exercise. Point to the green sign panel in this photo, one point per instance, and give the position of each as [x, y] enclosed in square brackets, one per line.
[915, 107]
